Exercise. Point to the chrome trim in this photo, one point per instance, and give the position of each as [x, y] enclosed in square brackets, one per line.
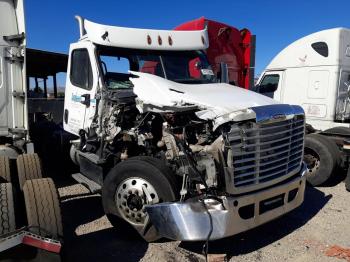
[277, 112]
[266, 151]
[189, 221]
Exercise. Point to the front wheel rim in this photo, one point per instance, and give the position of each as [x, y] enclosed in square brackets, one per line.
[131, 199]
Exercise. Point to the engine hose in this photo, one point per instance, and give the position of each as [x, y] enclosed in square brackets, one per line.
[206, 244]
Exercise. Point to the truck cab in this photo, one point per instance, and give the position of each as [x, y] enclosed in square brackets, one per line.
[314, 72]
[176, 151]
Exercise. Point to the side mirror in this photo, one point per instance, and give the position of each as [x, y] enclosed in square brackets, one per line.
[223, 73]
[198, 65]
[85, 100]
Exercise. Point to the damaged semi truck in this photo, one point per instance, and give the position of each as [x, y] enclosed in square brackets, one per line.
[176, 151]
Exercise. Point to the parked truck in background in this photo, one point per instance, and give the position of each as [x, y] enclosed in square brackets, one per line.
[314, 72]
[228, 45]
[175, 150]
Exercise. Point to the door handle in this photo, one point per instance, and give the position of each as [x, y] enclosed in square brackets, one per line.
[65, 117]
[85, 100]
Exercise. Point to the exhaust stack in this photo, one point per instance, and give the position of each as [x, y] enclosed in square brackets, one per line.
[80, 20]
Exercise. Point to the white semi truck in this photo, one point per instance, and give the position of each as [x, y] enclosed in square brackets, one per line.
[175, 151]
[314, 72]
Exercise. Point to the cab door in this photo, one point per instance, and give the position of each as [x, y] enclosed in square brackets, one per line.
[81, 85]
[270, 84]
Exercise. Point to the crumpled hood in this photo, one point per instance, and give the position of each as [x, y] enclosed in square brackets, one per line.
[217, 98]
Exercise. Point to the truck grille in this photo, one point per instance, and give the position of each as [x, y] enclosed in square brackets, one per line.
[265, 152]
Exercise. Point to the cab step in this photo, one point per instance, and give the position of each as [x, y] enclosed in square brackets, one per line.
[88, 183]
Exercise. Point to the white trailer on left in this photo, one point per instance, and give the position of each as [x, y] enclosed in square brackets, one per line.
[42, 227]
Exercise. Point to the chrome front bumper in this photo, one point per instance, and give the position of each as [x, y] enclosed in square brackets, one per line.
[189, 221]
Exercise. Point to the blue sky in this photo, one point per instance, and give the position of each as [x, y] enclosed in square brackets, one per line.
[51, 24]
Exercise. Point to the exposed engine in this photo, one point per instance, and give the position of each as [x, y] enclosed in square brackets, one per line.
[185, 142]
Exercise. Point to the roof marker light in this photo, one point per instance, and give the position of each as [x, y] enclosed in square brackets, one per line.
[170, 40]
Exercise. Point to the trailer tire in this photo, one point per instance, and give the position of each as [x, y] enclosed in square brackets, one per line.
[160, 183]
[5, 172]
[7, 209]
[322, 157]
[28, 167]
[43, 208]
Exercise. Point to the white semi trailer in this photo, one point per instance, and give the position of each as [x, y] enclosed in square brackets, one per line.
[20, 167]
[314, 72]
[176, 151]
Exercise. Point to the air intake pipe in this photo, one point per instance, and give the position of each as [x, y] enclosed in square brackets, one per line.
[80, 20]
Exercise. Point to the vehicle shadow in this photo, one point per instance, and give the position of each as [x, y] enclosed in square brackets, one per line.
[95, 241]
[336, 179]
[269, 233]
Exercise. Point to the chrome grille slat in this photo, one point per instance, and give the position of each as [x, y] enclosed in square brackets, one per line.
[269, 142]
[272, 155]
[245, 175]
[261, 171]
[266, 136]
[264, 152]
[271, 174]
[267, 128]
[261, 165]
[266, 143]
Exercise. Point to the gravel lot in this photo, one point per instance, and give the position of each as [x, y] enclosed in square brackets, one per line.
[317, 231]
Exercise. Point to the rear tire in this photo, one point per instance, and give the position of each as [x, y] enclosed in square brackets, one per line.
[28, 167]
[123, 182]
[322, 157]
[42, 207]
[7, 209]
[5, 172]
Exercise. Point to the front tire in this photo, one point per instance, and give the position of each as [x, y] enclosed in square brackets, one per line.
[130, 185]
[322, 158]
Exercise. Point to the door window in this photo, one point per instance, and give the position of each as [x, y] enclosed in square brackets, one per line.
[115, 71]
[81, 71]
[269, 84]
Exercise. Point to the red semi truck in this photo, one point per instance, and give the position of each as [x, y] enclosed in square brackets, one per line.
[230, 46]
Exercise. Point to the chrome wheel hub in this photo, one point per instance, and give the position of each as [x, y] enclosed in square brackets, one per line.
[313, 164]
[131, 197]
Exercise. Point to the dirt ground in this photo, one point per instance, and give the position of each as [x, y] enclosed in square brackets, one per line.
[317, 231]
